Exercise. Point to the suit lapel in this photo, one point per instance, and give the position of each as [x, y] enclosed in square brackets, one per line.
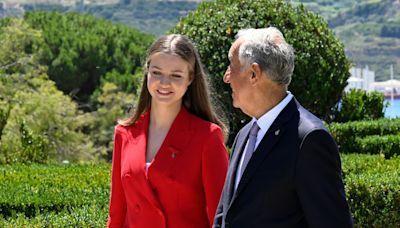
[238, 147]
[274, 133]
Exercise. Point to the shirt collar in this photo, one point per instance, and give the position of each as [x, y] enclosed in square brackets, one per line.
[266, 120]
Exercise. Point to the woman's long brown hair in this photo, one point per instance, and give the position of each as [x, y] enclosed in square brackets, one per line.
[197, 98]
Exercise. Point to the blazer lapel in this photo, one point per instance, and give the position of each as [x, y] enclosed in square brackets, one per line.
[266, 145]
[175, 142]
[137, 148]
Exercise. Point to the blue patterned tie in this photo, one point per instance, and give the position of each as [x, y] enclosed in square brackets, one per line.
[249, 149]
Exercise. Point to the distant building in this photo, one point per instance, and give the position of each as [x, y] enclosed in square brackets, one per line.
[361, 79]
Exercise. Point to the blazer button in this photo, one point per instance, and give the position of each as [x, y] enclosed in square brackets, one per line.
[137, 208]
[173, 155]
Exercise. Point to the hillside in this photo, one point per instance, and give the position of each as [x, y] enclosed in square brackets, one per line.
[150, 16]
[370, 29]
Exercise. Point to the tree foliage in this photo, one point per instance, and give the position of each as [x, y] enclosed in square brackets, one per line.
[39, 123]
[112, 104]
[81, 50]
[321, 67]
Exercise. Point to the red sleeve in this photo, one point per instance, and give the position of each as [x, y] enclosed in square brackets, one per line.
[214, 168]
[117, 209]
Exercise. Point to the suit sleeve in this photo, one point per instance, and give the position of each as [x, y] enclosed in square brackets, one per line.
[117, 209]
[319, 182]
[214, 168]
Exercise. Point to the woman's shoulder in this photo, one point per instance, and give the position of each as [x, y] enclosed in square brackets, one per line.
[138, 124]
[202, 125]
[120, 129]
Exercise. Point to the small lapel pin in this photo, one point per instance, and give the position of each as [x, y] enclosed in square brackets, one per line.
[173, 155]
[277, 132]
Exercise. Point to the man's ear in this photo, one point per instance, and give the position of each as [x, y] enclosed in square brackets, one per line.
[256, 72]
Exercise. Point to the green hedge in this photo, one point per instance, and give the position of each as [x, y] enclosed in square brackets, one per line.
[37, 189]
[374, 199]
[84, 216]
[78, 195]
[346, 134]
[387, 145]
[372, 189]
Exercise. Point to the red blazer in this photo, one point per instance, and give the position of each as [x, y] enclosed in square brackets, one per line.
[183, 184]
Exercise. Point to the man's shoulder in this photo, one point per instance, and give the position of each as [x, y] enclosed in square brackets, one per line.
[308, 122]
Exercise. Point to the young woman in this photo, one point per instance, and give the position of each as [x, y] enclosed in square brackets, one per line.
[170, 161]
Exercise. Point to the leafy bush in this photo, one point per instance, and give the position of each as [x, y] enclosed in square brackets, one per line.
[4, 114]
[321, 67]
[345, 134]
[360, 105]
[52, 125]
[34, 147]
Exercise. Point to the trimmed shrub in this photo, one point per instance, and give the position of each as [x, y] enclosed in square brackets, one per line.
[37, 189]
[321, 67]
[360, 105]
[374, 199]
[345, 134]
[355, 164]
[83, 216]
[78, 195]
[387, 145]
[372, 186]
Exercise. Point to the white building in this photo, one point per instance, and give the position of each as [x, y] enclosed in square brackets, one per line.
[361, 79]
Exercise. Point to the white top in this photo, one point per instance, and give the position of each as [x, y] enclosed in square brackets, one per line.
[147, 166]
[264, 122]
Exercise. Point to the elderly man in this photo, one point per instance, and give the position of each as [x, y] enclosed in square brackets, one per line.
[285, 169]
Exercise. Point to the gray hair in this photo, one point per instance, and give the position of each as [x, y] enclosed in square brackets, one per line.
[268, 48]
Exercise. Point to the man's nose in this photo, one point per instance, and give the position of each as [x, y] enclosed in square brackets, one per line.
[227, 75]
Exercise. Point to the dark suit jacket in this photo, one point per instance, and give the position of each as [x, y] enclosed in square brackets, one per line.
[292, 180]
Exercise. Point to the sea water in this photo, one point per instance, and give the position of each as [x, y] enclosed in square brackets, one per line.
[393, 110]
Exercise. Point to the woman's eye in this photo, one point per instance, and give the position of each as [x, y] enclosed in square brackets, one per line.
[176, 76]
[156, 72]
